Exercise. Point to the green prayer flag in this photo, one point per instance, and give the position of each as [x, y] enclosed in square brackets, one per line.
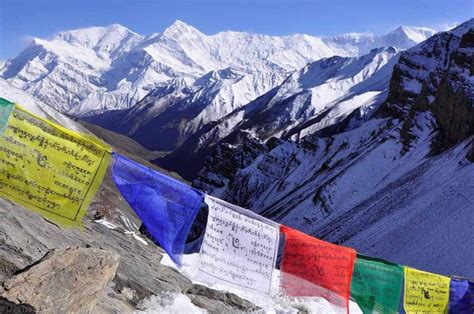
[6, 109]
[376, 285]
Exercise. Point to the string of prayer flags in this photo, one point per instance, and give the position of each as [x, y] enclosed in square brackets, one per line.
[6, 109]
[425, 292]
[239, 247]
[315, 268]
[56, 172]
[461, 296]
[376, 285]
[166, 206]
[50, 169]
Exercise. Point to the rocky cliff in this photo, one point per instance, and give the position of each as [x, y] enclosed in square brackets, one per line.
[436, 76]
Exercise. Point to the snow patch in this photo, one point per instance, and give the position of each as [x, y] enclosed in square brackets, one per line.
[168, 303]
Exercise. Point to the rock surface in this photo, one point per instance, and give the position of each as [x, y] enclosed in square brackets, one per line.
[218, 301]
[65, 280]
[436, 76]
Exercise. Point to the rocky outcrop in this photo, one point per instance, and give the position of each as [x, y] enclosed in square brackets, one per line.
[219, 302]
[65, 280]
[435, 76]
[225, 160]
[453, 105]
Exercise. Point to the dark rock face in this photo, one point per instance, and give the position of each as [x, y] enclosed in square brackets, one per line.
[226, 160]
[273, 166]
[435, 76]
[453, 105]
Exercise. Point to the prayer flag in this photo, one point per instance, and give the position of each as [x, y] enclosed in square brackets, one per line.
[376, 285]
[425, 292]
[166, 206]
[50, 169]
[6, 109]
[461, 296]
[239, 247]
[315, 268]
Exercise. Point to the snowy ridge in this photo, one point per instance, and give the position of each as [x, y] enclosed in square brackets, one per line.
[400, 176]
[357, 189]
[403, 37]
[88, 71]
[177, 109]
[319, 95]
[37, 107]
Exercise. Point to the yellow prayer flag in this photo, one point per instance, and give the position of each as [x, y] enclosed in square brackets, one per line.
[425, 292]
[50, 169]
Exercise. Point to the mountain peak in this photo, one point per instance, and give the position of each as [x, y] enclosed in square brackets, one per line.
[179, 23]
[179, 27]
[94, 31]
[415, 34]
[92, 36]
[117, 26]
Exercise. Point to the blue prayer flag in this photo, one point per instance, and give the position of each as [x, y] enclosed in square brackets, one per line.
[461, 296]
[166, 206]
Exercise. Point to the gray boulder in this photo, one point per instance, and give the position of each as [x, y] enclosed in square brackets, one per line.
[65, 280]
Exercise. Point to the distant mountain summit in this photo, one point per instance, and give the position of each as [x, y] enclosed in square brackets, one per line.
[403, 37]
[88, 71]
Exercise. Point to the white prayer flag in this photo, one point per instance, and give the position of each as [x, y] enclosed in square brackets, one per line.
[239, 247]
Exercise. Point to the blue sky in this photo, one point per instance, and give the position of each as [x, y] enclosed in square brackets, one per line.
[21, 19]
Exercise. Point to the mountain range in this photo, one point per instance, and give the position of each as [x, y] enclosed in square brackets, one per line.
[85, 71]
[182, 91]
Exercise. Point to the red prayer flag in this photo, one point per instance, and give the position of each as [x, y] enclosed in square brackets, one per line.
[315, 268]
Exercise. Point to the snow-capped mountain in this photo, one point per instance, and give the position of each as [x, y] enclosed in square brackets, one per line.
[395, 183]
[69, 71]
[316, 96]
[403, 37]
[178, 108]
[13, 94]
[88, 71]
